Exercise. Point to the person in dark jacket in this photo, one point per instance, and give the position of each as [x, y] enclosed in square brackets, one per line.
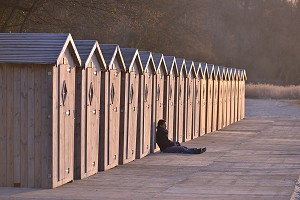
[168, 146]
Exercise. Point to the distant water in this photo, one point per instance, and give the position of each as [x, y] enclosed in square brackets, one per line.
[272, 108]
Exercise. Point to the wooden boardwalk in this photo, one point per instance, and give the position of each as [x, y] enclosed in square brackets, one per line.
[255, 158]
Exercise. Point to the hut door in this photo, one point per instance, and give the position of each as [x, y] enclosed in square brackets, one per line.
[171, 100]
[181, 107]
[66, 122]
[197, 108]
[203, 107]
[92, 130]
[114, 116]
[132, 114]
[147, 112]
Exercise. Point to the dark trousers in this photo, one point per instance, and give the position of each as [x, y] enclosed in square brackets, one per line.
[180, 149]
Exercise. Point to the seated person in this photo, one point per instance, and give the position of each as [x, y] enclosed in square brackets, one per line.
[168, 146]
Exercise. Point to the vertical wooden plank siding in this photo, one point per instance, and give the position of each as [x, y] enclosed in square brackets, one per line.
[31, 125]
[38, 127]
[3, 121]
[203, 98]
[224, 106]
[190, 109]
[10, 129]
[55, 126]
[236, 99]
[171, 107]
[24, 126]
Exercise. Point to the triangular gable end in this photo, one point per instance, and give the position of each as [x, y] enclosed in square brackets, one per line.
[96, 53]
[70, 45]
[150, 67]
[138, 64]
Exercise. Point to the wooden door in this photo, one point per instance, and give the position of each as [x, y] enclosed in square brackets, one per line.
[148, 114]
[66, 122]
[181, 110]
[232, 100]
[203, 107]
[190, 109]
[171, 107]
[92, 120]
[209, 105]
[220, 105]
[133, 95]
[215, 105]
[114, 118]
[236, 98]
[228, 119]
[224, 123]
[240, 100]
[159, 101]
[197, 107]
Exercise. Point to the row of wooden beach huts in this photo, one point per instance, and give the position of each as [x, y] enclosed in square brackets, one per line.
[69, 109]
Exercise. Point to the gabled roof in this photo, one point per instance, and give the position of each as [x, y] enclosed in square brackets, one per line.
[147, 59]
[229, 70]
[190, 68]
[171, 65]
[130, 55]
[38, 48]
[202, 70]
[245, 74]
[217, 72]
[86, 49]
[110, 51]
[224, 72]
[181, 66]
[159, 60]
[211, 71]
[233, 74]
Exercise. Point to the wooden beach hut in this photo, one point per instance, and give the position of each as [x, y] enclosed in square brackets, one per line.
[197, 101]
[203, 74]
[225, 95]
[160, 91]
[209, 97]
[181, 105]
[131, 122]
[88, 86]
[37, 98]
[215, 98]
[110, 110]
[190, 129]
[172, 95]
[244, 78]
[148, 111]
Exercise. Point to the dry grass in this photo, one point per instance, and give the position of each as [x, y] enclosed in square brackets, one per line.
[267, 91]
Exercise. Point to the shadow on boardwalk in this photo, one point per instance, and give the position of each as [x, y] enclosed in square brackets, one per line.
[256, 158]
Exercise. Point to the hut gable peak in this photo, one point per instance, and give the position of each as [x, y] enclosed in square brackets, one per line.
[223, 73]
[181, 67]
[160, 63]
[171, 65]
[147, 62]
[87, 49]
[202, 71]
[132, 60]
[38, 48]
[111, 54]
[191, 69]
[217, 72]
[211, 71]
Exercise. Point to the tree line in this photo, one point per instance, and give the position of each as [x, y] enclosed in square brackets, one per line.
[258, 35]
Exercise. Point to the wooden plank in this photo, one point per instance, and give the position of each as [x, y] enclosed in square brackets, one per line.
[10, 129]
[45, 121]
[209, 106]
[49, 113]
[197, 108]
[24, 126]
[17, 126]
[61, 131]
[72, 123]
[38, 127]
[3, 132]
[55, 126]
[31, 125]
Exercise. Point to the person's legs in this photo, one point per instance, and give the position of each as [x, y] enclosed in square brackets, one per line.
[181, 149]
